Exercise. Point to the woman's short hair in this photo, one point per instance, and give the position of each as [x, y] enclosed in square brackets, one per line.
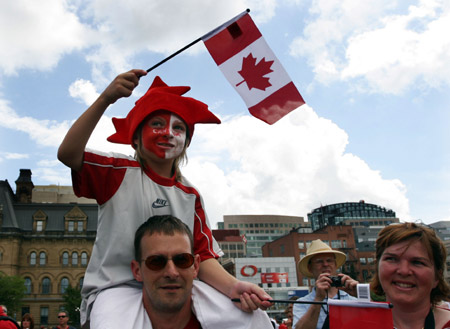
[28, 317]
[412, 232]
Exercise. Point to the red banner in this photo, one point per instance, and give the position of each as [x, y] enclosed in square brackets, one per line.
[274, 278]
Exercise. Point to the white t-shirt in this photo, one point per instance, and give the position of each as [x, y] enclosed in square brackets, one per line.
[127, 197]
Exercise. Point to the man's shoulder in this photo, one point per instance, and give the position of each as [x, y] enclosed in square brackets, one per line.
[309, 296]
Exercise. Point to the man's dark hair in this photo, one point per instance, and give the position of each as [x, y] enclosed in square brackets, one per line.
[166, 224]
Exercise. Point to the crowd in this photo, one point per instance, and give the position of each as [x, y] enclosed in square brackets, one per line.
[152, 219]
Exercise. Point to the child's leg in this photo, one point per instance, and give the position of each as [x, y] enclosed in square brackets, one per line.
[119, 307]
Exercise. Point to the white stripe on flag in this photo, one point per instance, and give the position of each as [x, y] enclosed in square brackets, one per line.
[260, 50]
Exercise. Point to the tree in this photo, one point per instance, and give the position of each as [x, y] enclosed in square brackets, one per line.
[12, 291]
[72, 302]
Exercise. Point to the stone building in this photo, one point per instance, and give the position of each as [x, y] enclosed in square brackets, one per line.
[46, 243]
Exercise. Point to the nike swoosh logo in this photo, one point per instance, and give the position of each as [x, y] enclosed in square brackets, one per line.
[159, 203]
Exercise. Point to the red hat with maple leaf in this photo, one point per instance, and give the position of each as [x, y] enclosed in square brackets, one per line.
[160, 96]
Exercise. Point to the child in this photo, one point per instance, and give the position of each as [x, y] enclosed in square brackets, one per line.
[129, 191]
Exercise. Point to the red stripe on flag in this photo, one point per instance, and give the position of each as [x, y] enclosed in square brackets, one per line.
[278, 104]
[223, 46]
[343, 317]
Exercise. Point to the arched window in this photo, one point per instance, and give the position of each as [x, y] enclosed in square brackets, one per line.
[64, 284]
[74, 259]
[42, 258]
[28, 287]
[65, 258]
[33, 258]
[46, 286]
[81, 282]
[84, 259]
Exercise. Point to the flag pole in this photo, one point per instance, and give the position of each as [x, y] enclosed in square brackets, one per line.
[174, 54]
[194, 42]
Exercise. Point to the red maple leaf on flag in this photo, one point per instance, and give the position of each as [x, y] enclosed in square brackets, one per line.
[254, 73]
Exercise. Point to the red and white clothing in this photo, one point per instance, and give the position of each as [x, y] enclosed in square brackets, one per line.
[127, 197]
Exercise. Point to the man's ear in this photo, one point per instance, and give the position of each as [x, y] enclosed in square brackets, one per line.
[196, 265]
[136, 270]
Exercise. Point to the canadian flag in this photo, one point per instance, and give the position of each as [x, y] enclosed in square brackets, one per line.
[354, 314]
[244, 57]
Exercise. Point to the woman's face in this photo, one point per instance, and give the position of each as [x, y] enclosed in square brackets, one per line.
[26, 324]
[407, 274]
[163, 135]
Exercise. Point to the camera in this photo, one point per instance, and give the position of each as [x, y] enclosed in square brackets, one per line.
[336, 281]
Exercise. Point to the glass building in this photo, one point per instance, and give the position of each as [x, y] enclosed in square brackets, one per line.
[337, 213]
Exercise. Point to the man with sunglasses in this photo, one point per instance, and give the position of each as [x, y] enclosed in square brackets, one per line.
[63, 318]
[171, 297]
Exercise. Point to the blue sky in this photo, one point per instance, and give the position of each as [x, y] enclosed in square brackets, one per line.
[375, 76]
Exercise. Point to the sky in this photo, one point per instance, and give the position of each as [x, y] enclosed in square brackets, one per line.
[374, 74]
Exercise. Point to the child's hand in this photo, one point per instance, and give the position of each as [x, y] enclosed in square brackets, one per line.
[122, 86]
[252, 297]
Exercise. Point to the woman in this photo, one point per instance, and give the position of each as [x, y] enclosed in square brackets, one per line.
[27, 321]
[410, 273]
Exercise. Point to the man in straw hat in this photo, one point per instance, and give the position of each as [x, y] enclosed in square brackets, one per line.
[321, 263]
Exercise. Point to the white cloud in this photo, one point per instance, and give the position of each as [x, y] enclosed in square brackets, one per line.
[83, 90]
[41, 132]
[387, 52]
[16, 156]
[36, 34]
[246, 167]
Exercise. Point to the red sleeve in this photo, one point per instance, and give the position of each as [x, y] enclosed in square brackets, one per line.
[100, 176]
[203, 238]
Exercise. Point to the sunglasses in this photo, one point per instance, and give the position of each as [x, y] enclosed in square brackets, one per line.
[158, 262]
[61, 316]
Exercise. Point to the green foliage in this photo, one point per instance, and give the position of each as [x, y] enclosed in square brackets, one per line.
[72, 302]
[12, 291]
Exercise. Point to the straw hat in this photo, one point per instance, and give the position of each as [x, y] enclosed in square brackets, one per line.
[318, 247]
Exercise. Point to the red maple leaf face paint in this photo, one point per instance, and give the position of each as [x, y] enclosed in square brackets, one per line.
[164, 134]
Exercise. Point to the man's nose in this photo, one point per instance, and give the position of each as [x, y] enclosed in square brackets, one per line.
[171, 270]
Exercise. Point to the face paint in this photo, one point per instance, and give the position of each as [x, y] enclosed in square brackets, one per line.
[164, 134]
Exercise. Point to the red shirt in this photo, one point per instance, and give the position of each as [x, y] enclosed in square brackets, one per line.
[193, 323]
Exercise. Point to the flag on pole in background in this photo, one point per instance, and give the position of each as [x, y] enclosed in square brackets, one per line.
[346, 314]
[244, 57]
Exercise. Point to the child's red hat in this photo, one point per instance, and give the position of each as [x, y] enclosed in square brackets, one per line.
[161, 97]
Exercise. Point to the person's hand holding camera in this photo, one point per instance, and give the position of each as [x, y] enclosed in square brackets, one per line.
[345, 282]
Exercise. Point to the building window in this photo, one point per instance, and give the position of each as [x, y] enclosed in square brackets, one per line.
[33, 258]
[362, 260]
[27, 286]
[84, 259]
[44, 315]
[301, 245]
[336, 244]
[39, 225]
[74, 259]
[65, 258]
[81, 282]
[71, 226]
[80, 226]
[42, 258]
[64, 284]
[46, 286]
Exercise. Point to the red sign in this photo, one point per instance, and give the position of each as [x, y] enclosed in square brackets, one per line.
[274, 278]
[249, 270]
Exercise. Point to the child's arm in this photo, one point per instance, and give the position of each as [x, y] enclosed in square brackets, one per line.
[251, 296]
[71, 150]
